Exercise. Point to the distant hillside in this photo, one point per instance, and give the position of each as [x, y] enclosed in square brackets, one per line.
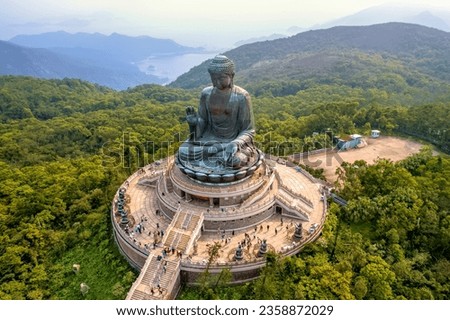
[411, 54]
[263, 38]
[425, 15]
[107, 60]
[116, 46]
[43, 63]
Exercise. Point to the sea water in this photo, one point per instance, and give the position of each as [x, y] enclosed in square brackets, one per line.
[171, 67]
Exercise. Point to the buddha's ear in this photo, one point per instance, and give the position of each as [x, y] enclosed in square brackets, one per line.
[231, 74]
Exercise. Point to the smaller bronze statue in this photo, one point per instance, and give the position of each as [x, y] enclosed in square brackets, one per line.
[263, 248]
[238, 255]
[298, 231]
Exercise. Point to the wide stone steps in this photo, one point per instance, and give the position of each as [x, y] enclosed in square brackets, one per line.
[191, 222]
[149, 275]
[182, 229]
[187, 219]
[180, 219]
[170, 238]
[157, 275]
[184, 242]
[138, 295]
[173, 239]
[293, 200]
[287, 200]
[169, 274]
[177, 240]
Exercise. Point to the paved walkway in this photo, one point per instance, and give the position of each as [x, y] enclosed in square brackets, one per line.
[279, 236]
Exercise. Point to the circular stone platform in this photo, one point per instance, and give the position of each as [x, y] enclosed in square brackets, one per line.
[174, 220]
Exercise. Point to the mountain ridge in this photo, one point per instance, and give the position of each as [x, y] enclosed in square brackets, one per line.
[46, 64]
[421, 49]
[107, 60]
[427, 16]
[119, 46]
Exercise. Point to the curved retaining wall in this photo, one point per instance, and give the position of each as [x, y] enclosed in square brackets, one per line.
[241, 271]
[134, 255]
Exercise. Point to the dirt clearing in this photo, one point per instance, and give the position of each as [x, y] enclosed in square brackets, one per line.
[392, 148]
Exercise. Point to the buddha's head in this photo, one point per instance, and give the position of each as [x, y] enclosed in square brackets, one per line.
[221, 70]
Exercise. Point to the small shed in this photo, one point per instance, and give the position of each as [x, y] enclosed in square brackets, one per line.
[352, 142]
[375, 133]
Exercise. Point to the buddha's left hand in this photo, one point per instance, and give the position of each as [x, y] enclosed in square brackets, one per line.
[231, 150]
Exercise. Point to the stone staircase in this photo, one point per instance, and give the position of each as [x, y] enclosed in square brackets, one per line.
[159, 278]
[294, 204]
[183, 230]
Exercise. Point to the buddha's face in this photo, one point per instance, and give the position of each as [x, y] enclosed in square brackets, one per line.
[221, 80]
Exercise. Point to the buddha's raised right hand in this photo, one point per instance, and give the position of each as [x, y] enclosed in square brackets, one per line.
[191, 116]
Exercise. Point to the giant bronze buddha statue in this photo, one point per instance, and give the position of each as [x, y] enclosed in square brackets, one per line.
[220, 146]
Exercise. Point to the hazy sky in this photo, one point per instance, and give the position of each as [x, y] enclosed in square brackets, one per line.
[191, 22]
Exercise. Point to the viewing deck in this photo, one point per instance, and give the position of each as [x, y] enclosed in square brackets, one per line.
[168, 236]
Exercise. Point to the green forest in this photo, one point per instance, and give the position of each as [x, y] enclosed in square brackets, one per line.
[66, 145]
